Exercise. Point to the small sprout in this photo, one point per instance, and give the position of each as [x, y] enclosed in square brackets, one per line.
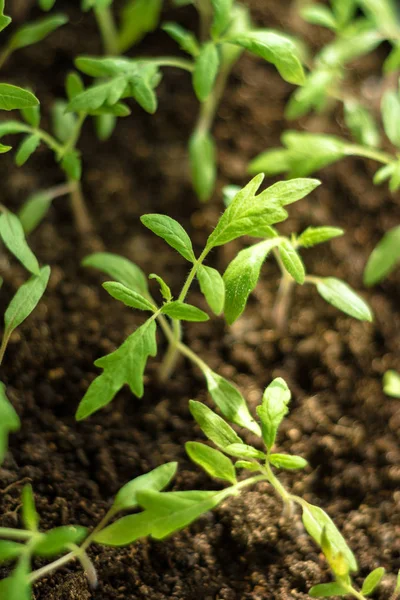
[372, 581]
[391, 384]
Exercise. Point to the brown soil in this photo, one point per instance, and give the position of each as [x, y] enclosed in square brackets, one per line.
[340, 421]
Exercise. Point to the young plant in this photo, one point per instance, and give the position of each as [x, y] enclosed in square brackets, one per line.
[248, 214]
[391, 384]
[69, 543]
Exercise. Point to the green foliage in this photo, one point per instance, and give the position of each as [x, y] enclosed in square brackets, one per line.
[340, 295]
[13, 236]
[205, 71]
[326, 590]
[273, 409]
[119, 268]
[9, 422]
[384, 257]
[212, 287]
[30, 518]
[138, 17]
[212, 461]
[391, 384]
[172, 232]
[4, 20]
[35, 32]
[13, 97]
[372, 581]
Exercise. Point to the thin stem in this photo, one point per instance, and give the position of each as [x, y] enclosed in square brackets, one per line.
[363, 151]
[353, 591]
[281, 307]
[4, 344]
[208, 109]
[104, 521]
[172, 61]
[206, 13]
[5, 55]
[81, 214]
[59, 190]
[108, 30]
[15, 534]
[276, 484]
[63, 560]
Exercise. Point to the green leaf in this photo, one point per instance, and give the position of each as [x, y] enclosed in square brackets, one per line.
[391, 116]
[315, 521]
[384, 257]
[361, 124]
[63, 122]
[292, 261]
[341, 296]
[73, 85]
[13, 236]
[165, 289]
[213, 426]
[35, 32]
[358, 41]
[316, 14]
[313, 93]
[138, 17]
[123, 366]
[119, 268]
[30, 518]
[46, 4]
[186, 40]
[287, 461]
[230, 401]
[242, 275]
[25, 300]
[275, 48]
[17, 586]
[98, 95]
[124, 531]
[205, 70]
[222, 16]
[58, 539]
[244, 451]
[4, 20]
[156, 480]
[127, 296]
[10, 550]
[27, 148]
[372, 581]
[212, 461]
[271, 162]
[4, 149]
[31, 115]
[184, 312]
[105, 125]
[172, 232]
[9, 421]
[245, 464]
[317, 235]
[212, 287]
[203, 164]
[391, 384]
[72, 165]
[13, 97]
[273, 409]
[325, 590]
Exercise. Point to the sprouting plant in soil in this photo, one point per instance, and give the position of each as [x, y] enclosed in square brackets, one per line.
[66, 544]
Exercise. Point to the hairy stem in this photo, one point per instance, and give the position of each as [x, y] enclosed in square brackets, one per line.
[81, 214]
[208, 109]
[60, 562]
[108, 30]
[280, 311]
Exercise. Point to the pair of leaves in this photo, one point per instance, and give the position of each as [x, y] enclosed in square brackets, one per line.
[273, 409]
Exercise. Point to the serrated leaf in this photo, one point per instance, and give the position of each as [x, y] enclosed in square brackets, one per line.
[213, 426]
[138, 17]
[13, 236]
[10, 550]
[164, 288]
[119, 268]
[275, 48]
[384, 257]
[317, 235]
[97, 95]
[242, 275]
[13, 97]
[222, 16]
[205, 70]
[30, 518]
[390, 109]
[123, 366]
[273, 409]
[391, 384]
[203, 164]
[58, 539]
[325, 590]
[9, 421]
[172, 232]
[372, 581]
[287, 461]
[244, 451]
[184, 312]
[186, 40]
[212, 461]
[27, 148]
[292, 261]
[157, 480]
[230, 401]
[212, 287]
[316, 521]
[35, 32]
[127, 296]
[341, 296]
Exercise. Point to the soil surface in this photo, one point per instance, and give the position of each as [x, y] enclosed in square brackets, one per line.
[340, 420]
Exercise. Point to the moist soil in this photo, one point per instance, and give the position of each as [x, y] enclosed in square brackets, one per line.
[340, 420]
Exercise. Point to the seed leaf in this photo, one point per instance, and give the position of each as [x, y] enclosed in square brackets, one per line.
[391, 384]
[119, 268]
[34, 210]
[277, 49]
[203, 164]
[212, 461]
[391, 116]
[165, 289]
[205, 70]
[230, 401]
[26, 149]
[9, 421]
[123, 366]
[31, 115]
[58, 539]
[241, 277]
[25, 300]
[13, 236]
[4, 149]
[125, 531]
[186, 40]
[212, 287]
[172, 232]
[11, 98]
[292, 261]
[213, 426]
[222, 16]
[184, 312]
[244, 451]
[4, 20]
[341, 296]
[287, 461]
[325, 590]
[37, 31]
[138, 17]
[384, 257]
[317, 235]
[17, 586]
[157, 480]
[273, 409]
[30, 518]
[315, 521]
[127, 296]
[10, 550]
[372, 581]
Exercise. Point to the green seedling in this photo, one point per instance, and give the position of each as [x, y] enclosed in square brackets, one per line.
[70, 543]
[248, 214]
[391, 384]
[384, 258]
